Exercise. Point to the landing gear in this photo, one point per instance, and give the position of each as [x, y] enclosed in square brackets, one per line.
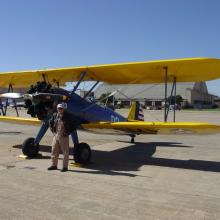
[29, 148]
[82, 153]
[132, 138]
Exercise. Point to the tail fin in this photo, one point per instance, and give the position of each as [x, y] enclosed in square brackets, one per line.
[136, 112]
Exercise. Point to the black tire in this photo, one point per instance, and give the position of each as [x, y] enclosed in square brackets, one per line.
[29, 148]
[82, 153]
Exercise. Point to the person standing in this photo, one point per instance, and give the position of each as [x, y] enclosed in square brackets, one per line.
[61, 125]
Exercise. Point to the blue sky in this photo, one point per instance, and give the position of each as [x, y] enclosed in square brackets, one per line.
[58, 33]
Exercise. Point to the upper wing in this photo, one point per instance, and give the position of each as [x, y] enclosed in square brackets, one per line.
[18, 120]
[185, 70]
[153, 127]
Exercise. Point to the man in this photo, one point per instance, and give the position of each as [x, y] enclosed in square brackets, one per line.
[61, 124]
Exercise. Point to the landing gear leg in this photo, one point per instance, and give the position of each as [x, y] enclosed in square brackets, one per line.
[81, 151]
[132, 138]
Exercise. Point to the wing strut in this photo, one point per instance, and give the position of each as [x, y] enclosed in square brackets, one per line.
[44, 78]
[88, 93]
[174, 113]
[82, 75]
[166, 103]
[1, 108]
[165, 100]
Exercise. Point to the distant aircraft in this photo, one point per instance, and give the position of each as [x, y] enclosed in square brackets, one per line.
[41, 99]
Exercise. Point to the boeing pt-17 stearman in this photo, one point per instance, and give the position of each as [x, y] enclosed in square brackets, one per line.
[42, 98]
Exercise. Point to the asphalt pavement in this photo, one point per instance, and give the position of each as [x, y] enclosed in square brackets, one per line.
[157, 177]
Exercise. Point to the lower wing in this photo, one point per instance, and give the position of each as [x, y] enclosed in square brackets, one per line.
[18, 120]
[152, 127]
[136, 127]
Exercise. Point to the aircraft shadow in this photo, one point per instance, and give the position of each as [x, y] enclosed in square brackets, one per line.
[131, 158]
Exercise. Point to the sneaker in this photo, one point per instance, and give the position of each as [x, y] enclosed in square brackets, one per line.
[52, 168]
[64, 169]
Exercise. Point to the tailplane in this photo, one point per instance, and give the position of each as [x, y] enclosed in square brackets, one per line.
[136, 112]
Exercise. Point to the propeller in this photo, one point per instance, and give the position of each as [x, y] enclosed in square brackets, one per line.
[40, 99]
[38, 96]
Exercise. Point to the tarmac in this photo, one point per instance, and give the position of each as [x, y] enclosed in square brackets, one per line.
[157, 177]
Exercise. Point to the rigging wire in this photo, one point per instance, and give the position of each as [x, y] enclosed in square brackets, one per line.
[122, 93]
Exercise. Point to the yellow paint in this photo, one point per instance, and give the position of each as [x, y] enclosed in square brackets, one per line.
[156, 127]
[75, 164]
[135, 126]
[131, 114]
[185, 70]
[18, 120]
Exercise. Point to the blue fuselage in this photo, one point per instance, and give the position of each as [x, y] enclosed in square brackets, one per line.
[90, 112]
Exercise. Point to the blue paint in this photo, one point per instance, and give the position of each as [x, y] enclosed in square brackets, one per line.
[90, 112]
[87, 112]
[75, 138]
[42, 131]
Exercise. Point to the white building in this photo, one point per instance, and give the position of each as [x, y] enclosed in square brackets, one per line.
[193, 94]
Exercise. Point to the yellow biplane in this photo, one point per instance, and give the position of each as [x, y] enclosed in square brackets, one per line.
[44, 93]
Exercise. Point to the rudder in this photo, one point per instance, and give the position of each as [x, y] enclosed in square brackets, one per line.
[136, 112]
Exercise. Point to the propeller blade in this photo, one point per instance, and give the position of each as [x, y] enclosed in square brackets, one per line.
[11, 95]
[49, 97]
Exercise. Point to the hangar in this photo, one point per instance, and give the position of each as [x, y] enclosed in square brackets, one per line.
[194, 94]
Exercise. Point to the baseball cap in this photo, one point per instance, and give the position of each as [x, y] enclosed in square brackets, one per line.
[62, 105]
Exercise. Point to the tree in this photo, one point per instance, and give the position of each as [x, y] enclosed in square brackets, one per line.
[171, 99]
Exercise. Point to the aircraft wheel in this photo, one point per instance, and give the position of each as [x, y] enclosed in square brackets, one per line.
[29, 148]
[82, 153]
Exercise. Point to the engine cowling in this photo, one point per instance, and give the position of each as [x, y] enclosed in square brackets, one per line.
[42, 99]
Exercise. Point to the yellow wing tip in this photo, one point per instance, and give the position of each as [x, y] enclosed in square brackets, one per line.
[19, 120]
